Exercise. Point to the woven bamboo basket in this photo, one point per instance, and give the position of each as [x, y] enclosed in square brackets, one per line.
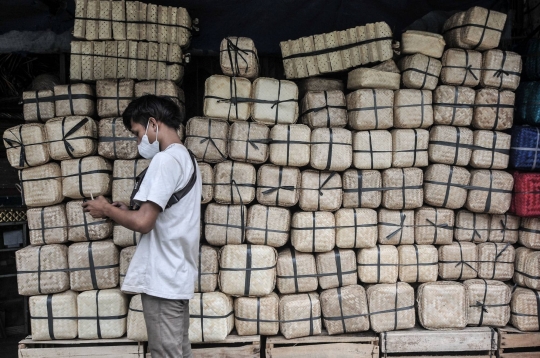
[493, 109]
[396, 227]
[224, 224]
[504, 228]
[409, 148]
[370, 109]
[125, 237]
[458, 261]
[324, 109]
[26, 145]
[356, 228]
[369, 43]
[113, 96]
[316, 84]
[362, 188]
[524, 309]
[519, 266]
[268, 225]
[87, 176]
[47, 225]
[331, 149]
[413, 108]
[461, 67]
[207, 139]
[487, 35]
[443, 305]
[491, 150]
[313, 231]
[387, 66]
[274, 101]
[450, 145]
[93, 265]
[391, 306]
[234, 183]
[446, 186]
[41, 186]
[501, 69]
[102, 314]
[320, 191]
[529, 233]
[402, 188]
[372, 149]
[211, 317]
[453, 105]
[472, 227]
[300, 315]
[372, 78]
[38, 106]
[427, 43]
[124, 174]
[115, 141]
[496, 261]
[126, 254]
[532, 270]
[257, 315]
[42, 269]
[136, 325]
[433, 226]
[420, 72]
[336, 268]
[247, 270]
[290, 145]
[345, 309]
[207, 177]
[162, 88]
[418, 263]
[278, 186]
[71, 137]
[238, 57]
[489, 302]
[249, 142]
[82, 226]
[296, 271]
[207, 275]
[53, 316]
[74, 100]
[452, 31]
[378, 264]
[227, 98]
[490, 192]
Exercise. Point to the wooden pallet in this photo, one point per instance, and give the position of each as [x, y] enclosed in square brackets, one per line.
[359, 345]
[81, 348]
[471, 342]
[517, 344]
[233, 346]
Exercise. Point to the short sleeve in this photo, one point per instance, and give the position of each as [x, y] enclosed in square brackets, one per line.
[161, 181]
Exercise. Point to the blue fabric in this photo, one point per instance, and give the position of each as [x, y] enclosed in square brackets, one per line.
[267, 22]
[525, 148]
[528, 103]
[532, 60]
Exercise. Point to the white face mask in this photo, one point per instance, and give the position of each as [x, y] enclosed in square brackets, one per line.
[147, 149]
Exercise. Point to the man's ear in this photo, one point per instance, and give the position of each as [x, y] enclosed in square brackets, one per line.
[153, 122]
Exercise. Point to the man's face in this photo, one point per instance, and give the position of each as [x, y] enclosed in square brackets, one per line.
[139, 130]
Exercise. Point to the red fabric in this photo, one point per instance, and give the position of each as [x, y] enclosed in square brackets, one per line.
[526, 198]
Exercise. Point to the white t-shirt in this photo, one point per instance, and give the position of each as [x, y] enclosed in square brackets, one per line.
[165, 262]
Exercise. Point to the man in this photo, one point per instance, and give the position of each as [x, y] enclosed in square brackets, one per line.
[164, 266]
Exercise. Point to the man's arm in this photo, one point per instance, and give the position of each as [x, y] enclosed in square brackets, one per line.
[142, 220]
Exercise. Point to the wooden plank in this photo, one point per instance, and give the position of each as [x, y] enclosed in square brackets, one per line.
[520, 355]
[247, 351]
[518, 339]
[390, 355]
[330, 350]
[233, 338]
[83, 352]
[324, 337]
[28, 340]
[421, 340]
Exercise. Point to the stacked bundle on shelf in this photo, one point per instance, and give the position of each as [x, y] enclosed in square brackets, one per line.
[75, 264]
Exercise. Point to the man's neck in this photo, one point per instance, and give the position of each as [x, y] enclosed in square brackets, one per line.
[169, 137]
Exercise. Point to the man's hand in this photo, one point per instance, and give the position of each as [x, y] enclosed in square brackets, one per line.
[120, 205]
[96, 207]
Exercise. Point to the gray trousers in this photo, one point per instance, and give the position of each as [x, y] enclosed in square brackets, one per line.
[167, 323]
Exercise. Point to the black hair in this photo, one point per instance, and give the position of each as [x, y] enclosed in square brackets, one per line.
[161, 108]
